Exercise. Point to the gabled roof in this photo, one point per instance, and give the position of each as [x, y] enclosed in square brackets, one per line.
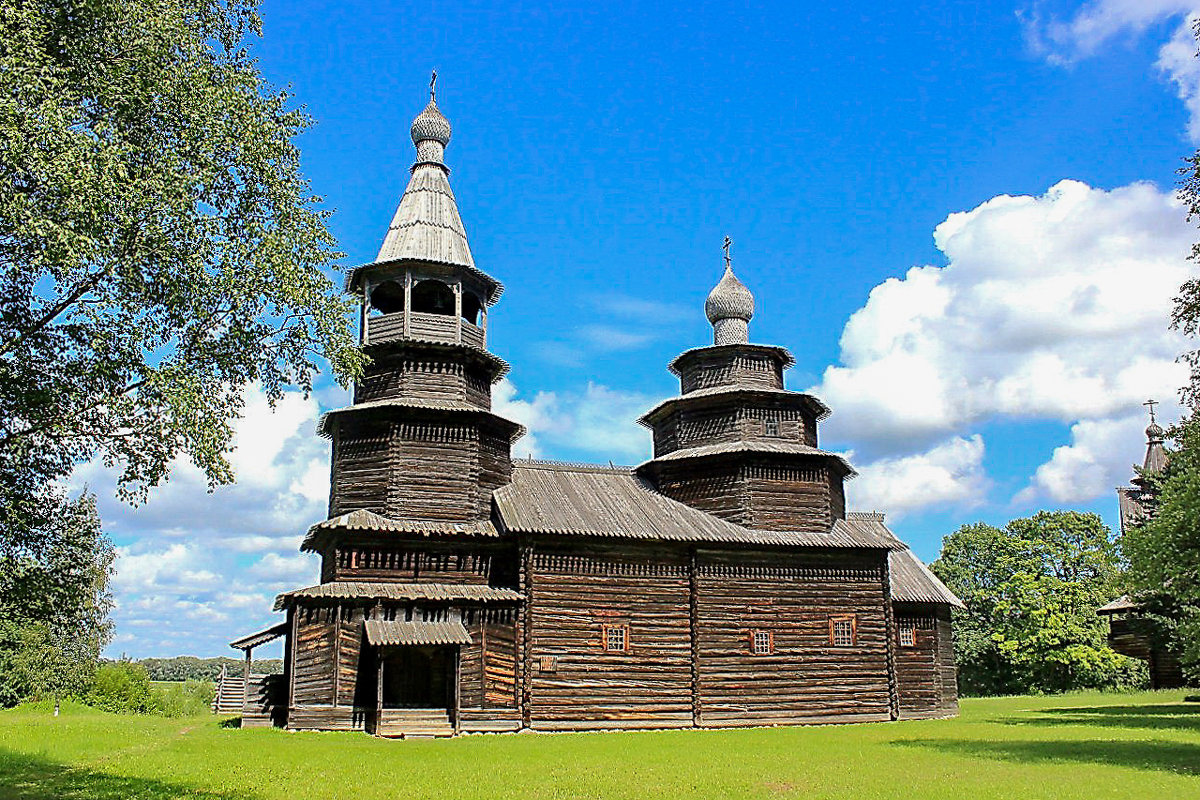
[912, 582]
[612, 502]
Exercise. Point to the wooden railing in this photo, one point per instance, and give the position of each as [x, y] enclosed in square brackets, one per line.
[422, 325]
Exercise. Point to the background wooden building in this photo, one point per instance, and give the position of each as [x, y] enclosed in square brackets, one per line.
[720, 583]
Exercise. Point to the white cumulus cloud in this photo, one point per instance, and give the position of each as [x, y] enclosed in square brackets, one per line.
[950, 473]
[1053, 307]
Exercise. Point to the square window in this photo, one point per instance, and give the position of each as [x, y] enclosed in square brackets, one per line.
[908, 635]
[548, 664]
[771, 427]
[843, 631]
[616, 638]
[762, 643]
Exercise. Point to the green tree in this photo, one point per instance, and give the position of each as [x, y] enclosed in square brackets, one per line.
[54, 604]
[1164, 551]
[160, 249]
[1031, 591]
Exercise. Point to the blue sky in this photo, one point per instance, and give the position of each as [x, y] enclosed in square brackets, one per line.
[957, 215]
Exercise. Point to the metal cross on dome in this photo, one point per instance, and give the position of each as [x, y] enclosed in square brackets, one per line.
[725, 247]
[433, 86]
[1151, 404]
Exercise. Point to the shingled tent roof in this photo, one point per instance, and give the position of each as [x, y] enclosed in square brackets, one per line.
[586, 500]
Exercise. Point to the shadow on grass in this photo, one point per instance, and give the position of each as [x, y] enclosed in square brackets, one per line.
[1177, 716]
[1163, 756]
[232, 722]
[26, 777]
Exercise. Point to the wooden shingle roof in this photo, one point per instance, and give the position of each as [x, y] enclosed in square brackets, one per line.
[364, 521]
[757, 445]
[912, 582]
[398, 632]
[613, 502]
[378, 590]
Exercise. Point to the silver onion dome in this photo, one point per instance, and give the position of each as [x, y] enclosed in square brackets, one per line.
[1155, 433]
[730, 307]
[431, 125]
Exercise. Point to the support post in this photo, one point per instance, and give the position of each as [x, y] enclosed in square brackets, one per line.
[457, 688]
[483, 314]
[458, 320]
[379, 691]
[246, 686]
[363, 315]
[407, 303]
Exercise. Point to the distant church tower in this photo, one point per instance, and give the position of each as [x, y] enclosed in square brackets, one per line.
[736, 443]
[1136, 501]
[420, 441]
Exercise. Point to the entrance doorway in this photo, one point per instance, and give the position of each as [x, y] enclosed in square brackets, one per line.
[419, 677]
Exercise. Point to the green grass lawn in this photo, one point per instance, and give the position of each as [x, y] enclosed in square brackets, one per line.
[1073, 746]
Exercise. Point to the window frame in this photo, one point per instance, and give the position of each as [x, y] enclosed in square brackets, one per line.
[771, 427]
[833, 622]
[911, 630]
[770, 646]
[606, 632]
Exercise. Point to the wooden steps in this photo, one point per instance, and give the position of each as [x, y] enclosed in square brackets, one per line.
[414, 723]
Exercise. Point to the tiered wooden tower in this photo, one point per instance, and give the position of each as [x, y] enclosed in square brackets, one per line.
[736, 443]
[420, 441]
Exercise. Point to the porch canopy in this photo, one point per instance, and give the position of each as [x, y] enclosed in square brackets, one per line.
[394, 632]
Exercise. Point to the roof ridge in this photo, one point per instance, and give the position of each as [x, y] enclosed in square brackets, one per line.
[571, 466]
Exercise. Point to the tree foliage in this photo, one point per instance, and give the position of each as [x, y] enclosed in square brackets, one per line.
[1031, 591]
[159, 247]
[54, 602]
[1164, 551]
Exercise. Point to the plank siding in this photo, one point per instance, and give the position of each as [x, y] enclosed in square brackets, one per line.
[805, 678]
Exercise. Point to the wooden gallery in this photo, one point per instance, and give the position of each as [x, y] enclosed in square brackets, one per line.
[721, 583]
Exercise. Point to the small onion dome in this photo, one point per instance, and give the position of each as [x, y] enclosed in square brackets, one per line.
[431, 125]
[1155, 433]
[729, 299]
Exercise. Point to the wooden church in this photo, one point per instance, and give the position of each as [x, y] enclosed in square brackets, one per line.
[721, 583]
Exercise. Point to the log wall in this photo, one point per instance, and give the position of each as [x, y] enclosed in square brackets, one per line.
[925, 670]
[574, 682]
[793, 597]
[689, 658]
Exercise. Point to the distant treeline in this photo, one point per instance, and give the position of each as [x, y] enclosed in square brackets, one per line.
[185, 668]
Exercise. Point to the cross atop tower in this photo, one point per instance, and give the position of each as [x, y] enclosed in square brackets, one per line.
[725, 247]
[433, 86]
[1151, 404]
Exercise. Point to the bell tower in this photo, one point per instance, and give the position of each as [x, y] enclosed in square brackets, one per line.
[735, 443]
[420, 441]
